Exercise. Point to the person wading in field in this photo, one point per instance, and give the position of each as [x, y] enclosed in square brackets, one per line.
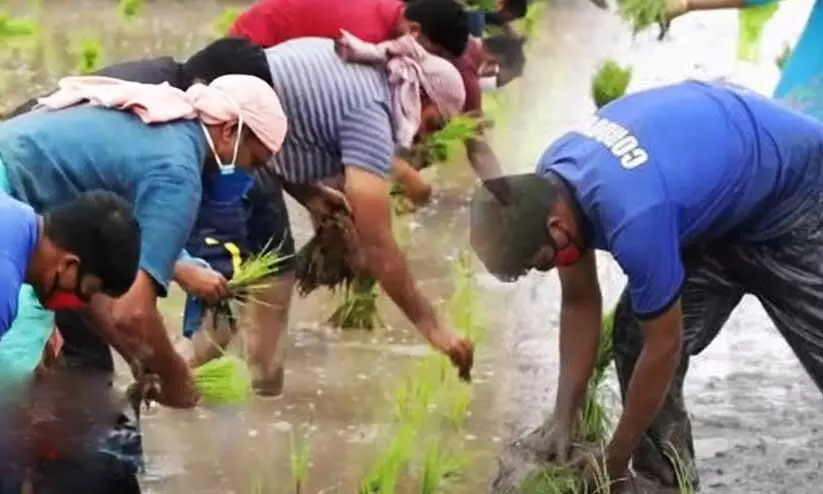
[702, 192]
[440, 26]
[156, 146]
[345, 123]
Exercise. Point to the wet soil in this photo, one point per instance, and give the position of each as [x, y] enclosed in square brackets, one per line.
[756, 414]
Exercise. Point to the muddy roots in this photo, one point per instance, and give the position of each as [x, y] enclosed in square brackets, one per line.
[331, 258]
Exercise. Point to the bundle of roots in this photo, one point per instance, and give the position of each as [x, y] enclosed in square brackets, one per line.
[332, 257]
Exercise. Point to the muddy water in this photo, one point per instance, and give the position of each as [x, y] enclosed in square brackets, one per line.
[757, 421]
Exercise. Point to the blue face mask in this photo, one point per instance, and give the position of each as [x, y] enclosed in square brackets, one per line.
[229, 187]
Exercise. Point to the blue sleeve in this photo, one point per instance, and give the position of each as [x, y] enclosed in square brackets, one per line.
[166, 203]
[367, 139]
[647, 248]
[10, 283]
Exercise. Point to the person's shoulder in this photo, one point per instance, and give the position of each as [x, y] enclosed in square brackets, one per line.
[18, 231]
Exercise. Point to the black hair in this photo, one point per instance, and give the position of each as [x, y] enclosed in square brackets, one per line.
[444, 22]
[100, 228]
[230, 55]
[506, 235]
[509, 51]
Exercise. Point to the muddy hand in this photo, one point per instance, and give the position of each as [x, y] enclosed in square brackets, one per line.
[461, 353]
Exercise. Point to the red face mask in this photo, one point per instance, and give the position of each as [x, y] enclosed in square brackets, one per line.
[63, 300]
[568, 255]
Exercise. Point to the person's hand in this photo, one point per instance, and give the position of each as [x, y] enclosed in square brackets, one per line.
[202, 282]
[459, 350]
[550, 442]
[324, 202]
[601, 472]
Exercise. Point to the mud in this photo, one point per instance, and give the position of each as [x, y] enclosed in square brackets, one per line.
[756, 415]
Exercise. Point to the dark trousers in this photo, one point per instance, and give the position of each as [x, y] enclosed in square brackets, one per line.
[785, 274]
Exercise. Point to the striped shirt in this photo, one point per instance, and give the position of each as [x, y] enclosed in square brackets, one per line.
[339, 113]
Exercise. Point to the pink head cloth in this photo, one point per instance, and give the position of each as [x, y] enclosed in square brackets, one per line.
[222, 101]
[410, 67]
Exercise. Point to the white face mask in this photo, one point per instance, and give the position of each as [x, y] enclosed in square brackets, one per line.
[224, 168]
[489, 84]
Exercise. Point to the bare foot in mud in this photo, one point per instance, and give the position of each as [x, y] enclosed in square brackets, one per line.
[270, 387]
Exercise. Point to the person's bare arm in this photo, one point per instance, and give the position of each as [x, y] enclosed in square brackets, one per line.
[414, 186]
[652, 376]
[368, 195]
[135, 328]
[581, 314]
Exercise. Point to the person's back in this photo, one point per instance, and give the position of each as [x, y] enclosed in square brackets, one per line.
[18, 238]
[326, 100]
[707, 159]
[271, 22]
[51, 157]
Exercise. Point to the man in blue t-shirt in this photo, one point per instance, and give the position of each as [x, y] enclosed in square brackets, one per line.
[702, 192]
[73, 251]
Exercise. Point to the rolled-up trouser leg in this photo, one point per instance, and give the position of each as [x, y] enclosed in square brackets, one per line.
[707, 299]
[786, 275]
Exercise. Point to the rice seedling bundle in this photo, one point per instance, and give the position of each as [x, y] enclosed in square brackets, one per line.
[752, 21]
[249, 278]
[223, 381]
[88, 53]
[610, 82]
[332, 257]
[595, 418]
[643, 13]
[442, 145]
[359, 307]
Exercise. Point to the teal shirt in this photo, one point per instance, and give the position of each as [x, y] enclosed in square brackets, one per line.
[53, 156]
[801, 81]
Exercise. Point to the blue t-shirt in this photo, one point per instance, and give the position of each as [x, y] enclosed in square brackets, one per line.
[683, 164]
[53, 156]
[19, 232]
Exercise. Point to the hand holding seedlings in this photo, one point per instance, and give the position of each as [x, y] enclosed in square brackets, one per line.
[202, 282]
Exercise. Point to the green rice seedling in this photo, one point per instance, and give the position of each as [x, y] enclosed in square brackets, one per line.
[129, 9]
[251, 275]
[358, 309]
[682, 470]
[781, 59]
[550, 480]
[484, 5]
[300, 460]
[15, 31]
[643, 13]
[610, 82]
[595, 417]
[602, 483]
[530, 23]
[464, 307]
[442, 145]
[223, 381]
[383, 477]
[752, 22]
[222, 23]
[412, 398]
[440, 468]
[88, 54]
[458, 400]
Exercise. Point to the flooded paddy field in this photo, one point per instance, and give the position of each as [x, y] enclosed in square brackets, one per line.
[757, 416]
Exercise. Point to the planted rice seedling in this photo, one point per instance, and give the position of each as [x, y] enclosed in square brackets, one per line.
[88, 53]
[129, 9]
[16, 30]
[299, 459]
[392, 461]
[458, 400]
[596, 418]
[551, 480]
[610, 83]
[752, 22]
[682, 470]
[222, 23]
[643, 13]
[530, 23]
[463, 305]
[440, 468]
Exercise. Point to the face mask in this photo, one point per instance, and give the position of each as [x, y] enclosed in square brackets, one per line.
[59, 299]
[568, 255]
[230, 187]
[230, 168]
[489, 84]
[63, 300]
